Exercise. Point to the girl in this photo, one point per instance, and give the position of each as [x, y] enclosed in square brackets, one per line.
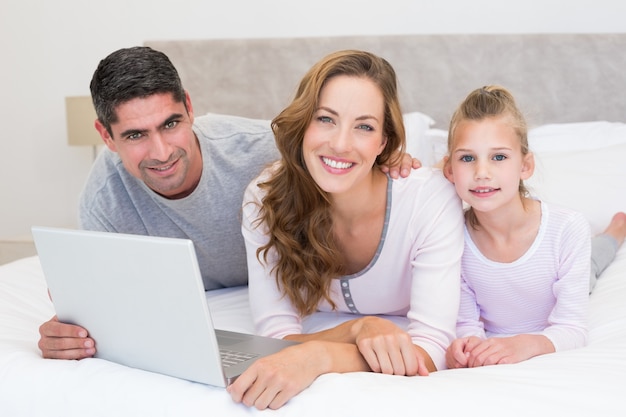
[326, 229]
[525, 267]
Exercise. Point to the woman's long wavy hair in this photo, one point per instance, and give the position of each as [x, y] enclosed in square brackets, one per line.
[491, 101]
[296, 212]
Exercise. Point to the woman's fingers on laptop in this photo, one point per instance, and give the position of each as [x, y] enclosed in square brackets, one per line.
[65, 341]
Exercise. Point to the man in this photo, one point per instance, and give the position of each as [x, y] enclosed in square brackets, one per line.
[167, 174]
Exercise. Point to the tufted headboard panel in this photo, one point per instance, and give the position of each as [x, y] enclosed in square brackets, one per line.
[555, 77]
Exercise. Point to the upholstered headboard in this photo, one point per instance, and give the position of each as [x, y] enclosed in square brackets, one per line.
[555, 77]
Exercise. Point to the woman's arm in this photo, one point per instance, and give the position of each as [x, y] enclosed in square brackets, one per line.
[436, 267]
[271, 381]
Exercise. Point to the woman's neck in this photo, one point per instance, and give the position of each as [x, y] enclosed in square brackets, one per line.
[362, 201]
[358, 222]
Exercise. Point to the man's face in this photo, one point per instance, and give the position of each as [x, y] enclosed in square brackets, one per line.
[155, 141]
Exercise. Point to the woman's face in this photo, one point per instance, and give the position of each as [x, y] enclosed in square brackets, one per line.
[345, 134]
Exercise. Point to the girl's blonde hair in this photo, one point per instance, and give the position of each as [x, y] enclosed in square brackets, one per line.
[294, 209]
[492, 101]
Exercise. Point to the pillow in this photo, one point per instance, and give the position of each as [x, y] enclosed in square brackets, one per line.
[576, 136]
[438, 144]
[416, 125]
[591, 181]
[546, 138]
[578, 165]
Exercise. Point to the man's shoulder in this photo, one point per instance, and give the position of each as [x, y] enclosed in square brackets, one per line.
[107, 179]
[219, 126]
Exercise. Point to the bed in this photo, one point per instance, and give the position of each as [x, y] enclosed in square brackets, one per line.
[572, 90]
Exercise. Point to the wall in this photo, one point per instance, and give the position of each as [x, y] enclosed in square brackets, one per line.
[51, 48]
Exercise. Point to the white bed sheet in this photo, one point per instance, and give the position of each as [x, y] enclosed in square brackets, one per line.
[588, 381]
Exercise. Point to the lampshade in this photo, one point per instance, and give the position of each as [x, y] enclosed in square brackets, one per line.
[80, 122]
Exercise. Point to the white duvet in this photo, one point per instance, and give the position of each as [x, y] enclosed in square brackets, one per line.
[588, 381]
[580, 165]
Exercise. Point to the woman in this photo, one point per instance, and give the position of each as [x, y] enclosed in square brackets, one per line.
[326, 229]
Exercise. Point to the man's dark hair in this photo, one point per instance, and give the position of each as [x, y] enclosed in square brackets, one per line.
[130, 73]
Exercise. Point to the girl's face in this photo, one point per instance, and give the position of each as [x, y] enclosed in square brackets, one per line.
[345, 134]
[486, 163]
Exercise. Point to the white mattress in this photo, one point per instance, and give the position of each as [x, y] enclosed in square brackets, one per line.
[588, 381]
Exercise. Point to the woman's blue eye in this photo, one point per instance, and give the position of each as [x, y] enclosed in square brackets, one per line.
[324, 119]
[365, 127]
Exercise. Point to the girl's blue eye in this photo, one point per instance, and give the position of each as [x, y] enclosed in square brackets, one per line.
[467, 158]
[499, 157]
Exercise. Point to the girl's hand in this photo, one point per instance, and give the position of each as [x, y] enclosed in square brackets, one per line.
[458, 352]
[504, 350]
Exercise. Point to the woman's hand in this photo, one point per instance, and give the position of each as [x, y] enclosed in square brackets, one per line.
[403, 168]
[388, 349]
[273, 380]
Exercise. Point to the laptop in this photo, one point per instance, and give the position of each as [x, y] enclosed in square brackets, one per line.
[142, 300]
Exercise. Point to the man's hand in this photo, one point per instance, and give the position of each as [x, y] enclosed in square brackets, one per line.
[65, 341]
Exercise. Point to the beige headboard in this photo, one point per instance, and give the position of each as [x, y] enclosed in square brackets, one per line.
[555, 77]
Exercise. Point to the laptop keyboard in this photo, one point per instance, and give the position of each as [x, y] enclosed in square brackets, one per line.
[231, 357]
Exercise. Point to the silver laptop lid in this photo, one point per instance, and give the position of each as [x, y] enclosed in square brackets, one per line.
[141, 298]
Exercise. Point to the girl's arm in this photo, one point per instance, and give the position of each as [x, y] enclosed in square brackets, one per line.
[567, 327]
[567, 322]
[468, 322]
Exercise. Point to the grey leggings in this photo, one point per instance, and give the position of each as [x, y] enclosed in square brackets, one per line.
[603, 251]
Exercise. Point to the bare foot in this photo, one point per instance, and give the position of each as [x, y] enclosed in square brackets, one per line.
[617, 227]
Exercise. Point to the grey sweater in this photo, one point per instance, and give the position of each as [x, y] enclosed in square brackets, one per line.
[234, 151]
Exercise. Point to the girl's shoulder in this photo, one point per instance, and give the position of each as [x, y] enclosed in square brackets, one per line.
[562, 221]
[561, 215]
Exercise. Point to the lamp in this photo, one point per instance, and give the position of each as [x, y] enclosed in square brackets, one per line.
[80, 116]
